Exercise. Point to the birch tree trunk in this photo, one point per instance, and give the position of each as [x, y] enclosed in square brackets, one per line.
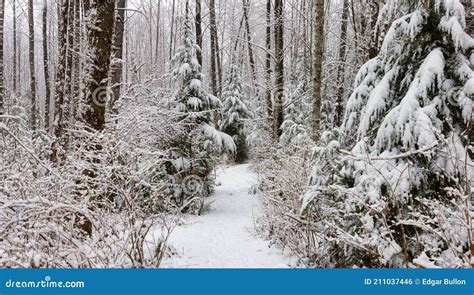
[117, 55]
[318, 69]
[31, 60]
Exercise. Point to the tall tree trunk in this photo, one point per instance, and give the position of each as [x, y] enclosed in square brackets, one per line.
[15, 50]
[197, 22]
[172, 33]
[246, 6]
[76, 60]
[268, 60]
[214, 81]
[318, 69]
[341, 73]
[158, 30]
[279, 69]
[100, 43]
[117, 54]
[375, 33]
[47, 82]
[61, 101]
[31, 38]
[2, 68]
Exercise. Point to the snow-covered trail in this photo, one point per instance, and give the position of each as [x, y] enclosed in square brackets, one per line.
[225, 237]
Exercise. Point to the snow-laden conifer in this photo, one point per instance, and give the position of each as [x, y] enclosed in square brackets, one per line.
[390, 187]
[235, 111]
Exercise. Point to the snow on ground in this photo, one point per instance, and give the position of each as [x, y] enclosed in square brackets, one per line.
[225, 237]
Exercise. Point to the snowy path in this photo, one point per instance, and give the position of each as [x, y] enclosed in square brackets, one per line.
[225, 237]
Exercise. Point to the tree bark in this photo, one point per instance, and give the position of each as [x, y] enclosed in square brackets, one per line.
[198, 31]
[76, 59]
[268, 60]
[47, 82]
[279, 70]
[117, 55]
[246, 5]
[341, 69]
[214, 81]
[318, 69]
[173, 8]
[100, 43]
[61, 102]
[15, 50]
[2, 68]
[31, 38]
[375, 33]
[158, 30]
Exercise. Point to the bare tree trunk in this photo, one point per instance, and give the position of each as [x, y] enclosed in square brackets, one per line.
[2, 68]
[47, 82]
[198, 31]
[158, 29]
[100, 43]
[246, 5]
[374, 48]
[117, 55]
[76, 63]
[15, 54]
[31, 38]
[61, 102]
[341, 73]
[173, 8]
[214, 82]
[318, 69]
[268, 60]
[279, 69]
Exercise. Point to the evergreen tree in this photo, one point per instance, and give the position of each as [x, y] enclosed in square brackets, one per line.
[235, 112]
[193, 150]
[297, 108]
[389, 188]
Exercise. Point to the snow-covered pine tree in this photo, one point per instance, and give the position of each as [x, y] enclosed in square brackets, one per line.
[235, 111]
[390, 188]
[297, 108]
[193, 150]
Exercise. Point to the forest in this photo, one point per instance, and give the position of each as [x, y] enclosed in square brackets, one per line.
[236, 133]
